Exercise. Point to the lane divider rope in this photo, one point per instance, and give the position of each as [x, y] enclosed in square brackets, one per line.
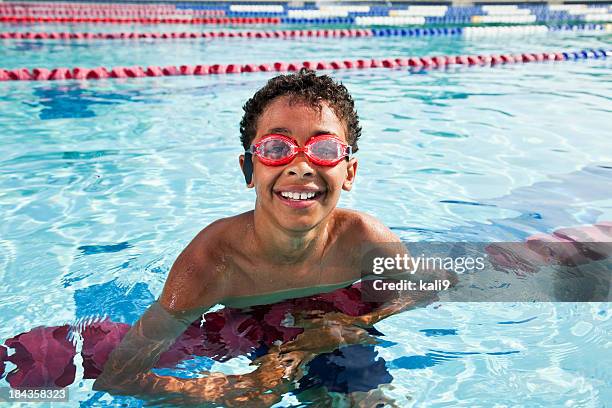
[113, 13]
[392, 21]
[52, 5]
[175, 35]
[58, 9]
[207, 20]
[34, 13]
[328, 33]
[417, 63]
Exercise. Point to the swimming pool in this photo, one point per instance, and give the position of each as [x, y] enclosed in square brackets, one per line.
[104, 182]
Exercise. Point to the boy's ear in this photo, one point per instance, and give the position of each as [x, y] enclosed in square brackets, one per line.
[246, 165]
[351, 171]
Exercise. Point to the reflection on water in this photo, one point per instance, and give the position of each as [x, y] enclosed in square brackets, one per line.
[543, 206]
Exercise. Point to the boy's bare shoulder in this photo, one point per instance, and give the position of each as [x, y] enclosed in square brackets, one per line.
[224, 231]
[221, 238]
[362, 227]
[199, 275]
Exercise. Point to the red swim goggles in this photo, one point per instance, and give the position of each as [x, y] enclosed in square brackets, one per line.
[322, 150]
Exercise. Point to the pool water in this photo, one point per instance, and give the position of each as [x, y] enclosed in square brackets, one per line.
[102, 183]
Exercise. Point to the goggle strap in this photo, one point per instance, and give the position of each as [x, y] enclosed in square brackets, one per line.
[247, 166]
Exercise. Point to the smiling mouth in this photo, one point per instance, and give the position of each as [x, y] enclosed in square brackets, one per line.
[299, 199]
[300, 195]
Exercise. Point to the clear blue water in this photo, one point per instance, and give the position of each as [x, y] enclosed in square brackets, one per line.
[103, 183]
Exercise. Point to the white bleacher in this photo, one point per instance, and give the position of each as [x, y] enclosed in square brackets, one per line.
[383, 20]
[508, 19]
[425, 11]
[313, 13]
[349, 9]
[257, 8]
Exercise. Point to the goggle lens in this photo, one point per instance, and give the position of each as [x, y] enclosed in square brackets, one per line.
[274, 149]
[326, 149]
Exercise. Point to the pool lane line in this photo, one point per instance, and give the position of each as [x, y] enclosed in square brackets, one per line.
[107, 20]
[228, 20]
[415, 63]
[321, 33]
[112, 13]
[62, 5]
[190, 35]
[108, 13]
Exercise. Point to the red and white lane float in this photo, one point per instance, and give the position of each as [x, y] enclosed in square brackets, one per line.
[469, 32]
[338, 33]
[109, 20]
[55, 9]
[75, 13]
[416, 63]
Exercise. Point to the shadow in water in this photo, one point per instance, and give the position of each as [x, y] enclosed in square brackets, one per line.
[69, 101]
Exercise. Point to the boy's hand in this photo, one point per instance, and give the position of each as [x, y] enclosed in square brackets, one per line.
[317, 318]
[327, 337]
[261, 388]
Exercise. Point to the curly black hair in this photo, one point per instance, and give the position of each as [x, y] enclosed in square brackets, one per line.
[307, 87]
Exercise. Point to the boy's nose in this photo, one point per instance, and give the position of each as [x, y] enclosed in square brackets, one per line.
[300, 166]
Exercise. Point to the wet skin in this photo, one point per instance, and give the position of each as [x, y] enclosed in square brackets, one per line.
[282, 249]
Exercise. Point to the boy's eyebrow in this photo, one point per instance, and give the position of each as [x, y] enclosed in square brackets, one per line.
[317, 132]
[323, 132]
[279, 130]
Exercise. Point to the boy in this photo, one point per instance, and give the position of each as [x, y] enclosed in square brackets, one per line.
[299, 133]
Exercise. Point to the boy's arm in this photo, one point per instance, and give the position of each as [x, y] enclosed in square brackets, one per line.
[128, 367]
[193, 285]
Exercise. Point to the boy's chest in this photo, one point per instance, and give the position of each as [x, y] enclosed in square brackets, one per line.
[250, 277]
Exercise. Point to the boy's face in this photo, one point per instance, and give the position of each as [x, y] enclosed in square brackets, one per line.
[299, 122]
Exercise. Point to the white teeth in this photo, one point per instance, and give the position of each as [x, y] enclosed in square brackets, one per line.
[298, 196]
